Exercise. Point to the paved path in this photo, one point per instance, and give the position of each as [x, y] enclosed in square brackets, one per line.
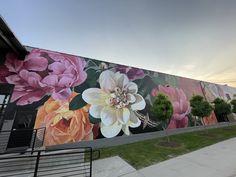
[217, 160]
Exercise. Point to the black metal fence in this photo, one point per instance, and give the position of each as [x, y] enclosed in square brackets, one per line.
[21, 139]
[61, 163]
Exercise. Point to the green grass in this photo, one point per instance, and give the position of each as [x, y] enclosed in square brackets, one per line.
[145, 153]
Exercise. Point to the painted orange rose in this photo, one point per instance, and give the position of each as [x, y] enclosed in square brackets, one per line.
[211, 119]
[63, 125]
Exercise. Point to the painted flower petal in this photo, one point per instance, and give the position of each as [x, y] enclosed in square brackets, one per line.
[63, 94]
[31, 97]
[4, 72]
[107, 81]
[65, 82]
[125, 129]
[139, 103]
[123, 115]
[155, 91]
[36, 64]
[121, 80]
[131, 98]
[112, 130]
[94, 96]
[132, 87]
[34, 54]
[132, 73]
[13, 79]
[108, 115]
[176, 107]
[17, 94]
[50, 80]
[31, 78]
[134, 120]
[12, 63]
[172, 124]
[82, 76]
[135, 73]
[95, 111]
[184, 106]
[182, 123]
[57, 67]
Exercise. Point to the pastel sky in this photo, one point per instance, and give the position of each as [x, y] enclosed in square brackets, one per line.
[190, 38]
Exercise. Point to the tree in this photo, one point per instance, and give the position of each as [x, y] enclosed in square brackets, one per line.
[163, 110]
[222, 109]
[233, 103]
[200, 107]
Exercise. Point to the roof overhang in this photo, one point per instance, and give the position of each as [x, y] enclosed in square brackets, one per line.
[9, 43]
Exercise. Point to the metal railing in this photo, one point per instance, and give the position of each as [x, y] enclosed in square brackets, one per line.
[17, 140]
[61, 163]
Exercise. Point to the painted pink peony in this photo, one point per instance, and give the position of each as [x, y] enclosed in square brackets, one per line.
[42, 72]
[180, 104]
[4, 72]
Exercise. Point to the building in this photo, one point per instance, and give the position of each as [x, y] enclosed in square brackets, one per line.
[82, 99]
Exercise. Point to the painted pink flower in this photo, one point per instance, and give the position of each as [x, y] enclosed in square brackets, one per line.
[4, 72]
[42, 72]
[25, 78]
[64, 71]
[180, 104]
[132, 73]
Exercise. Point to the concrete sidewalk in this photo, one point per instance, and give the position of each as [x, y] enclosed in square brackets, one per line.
[217, 160]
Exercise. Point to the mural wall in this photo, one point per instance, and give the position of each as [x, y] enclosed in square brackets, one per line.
[80, 99]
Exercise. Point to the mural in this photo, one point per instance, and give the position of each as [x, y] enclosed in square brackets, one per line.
[209, 120]
[79, 99]
[212, 91]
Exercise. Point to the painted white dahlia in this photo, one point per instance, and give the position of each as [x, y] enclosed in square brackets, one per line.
[114, 103]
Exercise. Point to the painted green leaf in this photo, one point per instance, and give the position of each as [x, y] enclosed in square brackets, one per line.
[90, 82]
[172, 80]
[94, 120]
[145, 86]
[159, 81]
[80, 88]
[77, 102]
[92, 77]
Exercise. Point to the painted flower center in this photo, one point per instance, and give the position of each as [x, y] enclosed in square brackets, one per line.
[63, 124]
[119, 98]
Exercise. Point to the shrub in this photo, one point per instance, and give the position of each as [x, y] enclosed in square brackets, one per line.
[162, 108]
[200, 107]
[233, 103]
[221, 108]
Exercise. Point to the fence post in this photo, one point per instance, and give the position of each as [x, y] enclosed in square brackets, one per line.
[37, 164]
[35, 134]
[91, 159]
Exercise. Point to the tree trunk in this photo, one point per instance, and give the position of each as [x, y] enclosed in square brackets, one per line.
[167, 136]
[195, 121]
[205, 127]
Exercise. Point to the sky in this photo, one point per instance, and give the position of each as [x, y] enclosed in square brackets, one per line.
[189, 38]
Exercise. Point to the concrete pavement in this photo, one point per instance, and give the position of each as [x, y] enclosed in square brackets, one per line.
[112, 167]
[218, 160]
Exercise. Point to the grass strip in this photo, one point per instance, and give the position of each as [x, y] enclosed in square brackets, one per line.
[148, 152]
